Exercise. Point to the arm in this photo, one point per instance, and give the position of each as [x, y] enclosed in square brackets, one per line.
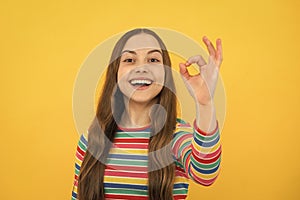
[80, 152]
[202, 86]
[198, 152]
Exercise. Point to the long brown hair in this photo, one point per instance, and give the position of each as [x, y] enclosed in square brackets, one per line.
[102, 131]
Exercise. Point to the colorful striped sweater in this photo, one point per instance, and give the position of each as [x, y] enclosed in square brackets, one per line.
[197, 156]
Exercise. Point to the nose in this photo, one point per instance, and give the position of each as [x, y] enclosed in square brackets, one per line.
[141, 69]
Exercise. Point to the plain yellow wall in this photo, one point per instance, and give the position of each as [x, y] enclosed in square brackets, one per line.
[44, 43]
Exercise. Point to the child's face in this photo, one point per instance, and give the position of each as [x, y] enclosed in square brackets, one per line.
[141, 71]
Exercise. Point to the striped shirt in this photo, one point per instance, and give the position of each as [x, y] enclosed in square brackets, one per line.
[197, 156]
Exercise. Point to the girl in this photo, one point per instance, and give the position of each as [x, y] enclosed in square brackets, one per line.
[136, 148]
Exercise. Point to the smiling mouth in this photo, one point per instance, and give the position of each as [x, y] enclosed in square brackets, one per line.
[140, 82]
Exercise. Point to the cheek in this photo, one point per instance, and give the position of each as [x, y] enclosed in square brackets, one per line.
[160, 75]
[122, 79]
[120, 75]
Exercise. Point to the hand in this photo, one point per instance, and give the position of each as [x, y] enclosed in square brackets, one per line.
[202, 86]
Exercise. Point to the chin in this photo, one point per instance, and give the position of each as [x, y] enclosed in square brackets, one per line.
[143, 99]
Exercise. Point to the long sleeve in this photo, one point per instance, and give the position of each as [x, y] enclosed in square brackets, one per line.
[198, 152]
[80, 152]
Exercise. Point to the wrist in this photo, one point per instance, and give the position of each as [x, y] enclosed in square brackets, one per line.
[209, 132]
[208, 103]
[206, 116]
[208, 108]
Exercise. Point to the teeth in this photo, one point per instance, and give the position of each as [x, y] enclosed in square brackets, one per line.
[140, 82]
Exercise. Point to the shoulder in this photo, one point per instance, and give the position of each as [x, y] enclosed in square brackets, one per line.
[85, 135]
[182, 127]
[180, 123]
[83, 141]
[182, 137]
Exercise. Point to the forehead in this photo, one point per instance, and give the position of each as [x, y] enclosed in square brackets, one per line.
[141, 41]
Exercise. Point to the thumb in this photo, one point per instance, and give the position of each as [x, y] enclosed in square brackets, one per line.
[183, 70]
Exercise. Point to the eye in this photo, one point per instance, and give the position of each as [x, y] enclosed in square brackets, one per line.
[129, 60]
[154, 60]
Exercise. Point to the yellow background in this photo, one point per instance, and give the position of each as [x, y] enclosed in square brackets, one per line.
[43, 44]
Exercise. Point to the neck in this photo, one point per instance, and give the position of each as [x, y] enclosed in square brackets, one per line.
[136, 114]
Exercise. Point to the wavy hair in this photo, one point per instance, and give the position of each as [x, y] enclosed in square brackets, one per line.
[102, 131]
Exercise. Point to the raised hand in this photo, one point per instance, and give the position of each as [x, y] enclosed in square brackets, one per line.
[202, 86]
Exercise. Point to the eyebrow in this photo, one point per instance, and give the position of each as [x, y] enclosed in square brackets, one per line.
[149, 52]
